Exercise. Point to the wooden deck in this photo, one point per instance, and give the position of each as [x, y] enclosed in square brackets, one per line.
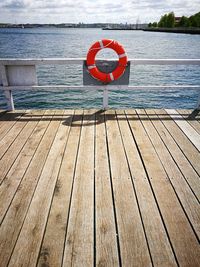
[94, 188]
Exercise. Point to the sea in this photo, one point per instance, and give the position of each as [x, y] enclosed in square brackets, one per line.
[56, 42]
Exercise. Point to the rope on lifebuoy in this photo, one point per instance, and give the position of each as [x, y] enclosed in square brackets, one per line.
[121, 66]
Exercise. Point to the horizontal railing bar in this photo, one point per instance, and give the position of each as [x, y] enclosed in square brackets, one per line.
[41, 61]
[62, 61]
[165, 61]
[97, 87]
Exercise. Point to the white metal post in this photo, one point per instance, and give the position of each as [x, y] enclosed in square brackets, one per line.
[8, 93]
[105, 98]
[9, 100]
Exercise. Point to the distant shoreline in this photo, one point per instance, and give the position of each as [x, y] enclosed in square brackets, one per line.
[174, 30]
[103, 27]
[74, 25]
[121, 29]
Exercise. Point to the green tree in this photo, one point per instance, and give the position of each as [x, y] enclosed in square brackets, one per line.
[170, 21]
[163, 21]
[155, 24]
[195, 20]
[184, 22]
[167, 21]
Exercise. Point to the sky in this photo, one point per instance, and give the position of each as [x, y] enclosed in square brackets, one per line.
[90, 11]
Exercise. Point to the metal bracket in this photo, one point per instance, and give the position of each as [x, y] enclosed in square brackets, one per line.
[107, 67]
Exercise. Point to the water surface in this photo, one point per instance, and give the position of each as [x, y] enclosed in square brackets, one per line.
[51, 42]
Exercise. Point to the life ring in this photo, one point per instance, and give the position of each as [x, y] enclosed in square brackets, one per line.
[118, 71]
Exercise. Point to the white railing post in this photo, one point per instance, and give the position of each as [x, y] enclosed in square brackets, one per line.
[105, 97]
[8, 93]
[9, 100]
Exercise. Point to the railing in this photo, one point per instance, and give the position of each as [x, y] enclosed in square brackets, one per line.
[20, 74]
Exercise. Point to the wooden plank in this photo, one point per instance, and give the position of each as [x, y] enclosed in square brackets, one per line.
[51, 252]
[188, 149]
[79, 244]
[106, 241]
[133, 246]
[18, 169]
[7, 124]
[12, 223]
[6, 114]
[187, 198]
[184, 165]
[194, 114]
[26, 249]
[190, 118]
[9, 116]
[188, 130]
[160, 248]
[9, 137]
[16, 146]
[7, 120]
[182, 237]
[2, 111]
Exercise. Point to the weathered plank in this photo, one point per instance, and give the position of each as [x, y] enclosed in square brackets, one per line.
[12, 151]
[194, 114]
[118, 192]
[106, 241]
[133, 246]
[187, 198]
[51, 252]
[18, 169]
[11, 135]
[188, 130]
[26, 249]
[7, 120]
[182, 162]
[185, 243]
[80, 230]
[2, 111]
[160, 248]
[190, 118]
[188, 149]
[6, 115]
[12, 223]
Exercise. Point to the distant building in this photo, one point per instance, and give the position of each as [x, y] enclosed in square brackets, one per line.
[177, 19]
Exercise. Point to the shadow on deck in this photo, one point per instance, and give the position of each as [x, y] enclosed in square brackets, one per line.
[99, 188]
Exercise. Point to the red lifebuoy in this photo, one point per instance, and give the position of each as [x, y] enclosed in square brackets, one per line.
[119, 70]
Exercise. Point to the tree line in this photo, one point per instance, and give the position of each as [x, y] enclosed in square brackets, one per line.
[169, 21]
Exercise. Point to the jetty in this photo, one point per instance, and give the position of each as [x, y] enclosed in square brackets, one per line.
[97, 187]
[174, 30]
[84, 187]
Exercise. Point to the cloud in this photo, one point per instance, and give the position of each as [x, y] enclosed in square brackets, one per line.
[57, 4]
[57, 11]
[14, 4]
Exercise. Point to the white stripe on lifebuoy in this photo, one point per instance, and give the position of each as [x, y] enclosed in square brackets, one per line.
[111, 77]
[122, 55]
[101, 44]
[91, 67]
